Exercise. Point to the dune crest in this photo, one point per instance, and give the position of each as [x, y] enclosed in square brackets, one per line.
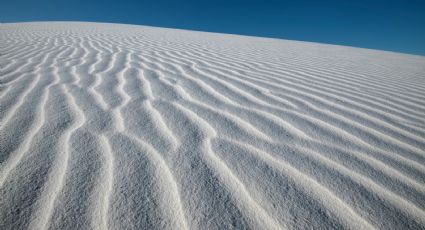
[108, 126]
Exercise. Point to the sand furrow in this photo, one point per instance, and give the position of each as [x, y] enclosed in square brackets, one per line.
[247, 205]
[16, 157]
[314, 190]
[107, 126]
[55, 183]
[170, 187]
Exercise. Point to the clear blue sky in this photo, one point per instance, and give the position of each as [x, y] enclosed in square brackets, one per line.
[396, 25]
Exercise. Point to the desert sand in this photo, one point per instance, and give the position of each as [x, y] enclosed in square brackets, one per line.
[109, 126]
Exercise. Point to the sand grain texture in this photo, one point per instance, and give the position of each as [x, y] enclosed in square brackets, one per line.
[108, 126]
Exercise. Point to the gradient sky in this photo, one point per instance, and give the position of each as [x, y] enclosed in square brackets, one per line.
[394, 25]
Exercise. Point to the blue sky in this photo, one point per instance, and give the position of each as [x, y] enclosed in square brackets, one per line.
[394, 25]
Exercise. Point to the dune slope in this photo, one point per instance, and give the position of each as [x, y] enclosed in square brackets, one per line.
[106, 126]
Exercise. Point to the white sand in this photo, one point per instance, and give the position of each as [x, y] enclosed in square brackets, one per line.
[107, 126]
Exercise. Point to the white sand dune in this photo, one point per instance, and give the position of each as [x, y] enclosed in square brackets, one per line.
[107, 126]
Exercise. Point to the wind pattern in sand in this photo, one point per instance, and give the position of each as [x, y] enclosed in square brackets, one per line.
[107, 126]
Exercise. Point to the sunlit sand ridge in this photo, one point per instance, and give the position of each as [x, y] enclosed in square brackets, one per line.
[107, 126]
